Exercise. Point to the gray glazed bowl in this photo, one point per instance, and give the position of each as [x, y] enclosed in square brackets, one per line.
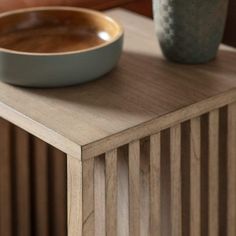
[57, 46]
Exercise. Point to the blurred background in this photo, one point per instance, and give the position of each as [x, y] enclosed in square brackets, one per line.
[143, 7]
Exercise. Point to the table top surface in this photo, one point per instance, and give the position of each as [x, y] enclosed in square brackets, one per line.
[143, 87]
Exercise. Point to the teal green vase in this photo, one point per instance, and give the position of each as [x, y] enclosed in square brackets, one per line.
[190, 31]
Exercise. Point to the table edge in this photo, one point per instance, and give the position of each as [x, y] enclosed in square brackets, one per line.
[157, 124]
[40, 131]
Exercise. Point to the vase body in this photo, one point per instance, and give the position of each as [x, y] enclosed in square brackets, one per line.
[190, 31]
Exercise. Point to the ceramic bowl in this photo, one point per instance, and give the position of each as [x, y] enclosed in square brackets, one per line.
[57, 46]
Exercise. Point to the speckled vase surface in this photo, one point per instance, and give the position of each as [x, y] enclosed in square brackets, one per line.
[190, 31]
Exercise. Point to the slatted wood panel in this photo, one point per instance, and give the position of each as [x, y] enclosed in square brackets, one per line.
[168, 183]
[32, 185]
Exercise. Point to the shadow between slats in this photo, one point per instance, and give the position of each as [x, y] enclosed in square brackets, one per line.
[145, 186]
[5, 179]
[33, 185]
[40, 187]
[21, 182]
[185, 176]
[123, 192]
[231, 171]
[223, 153]
[57, 185]
[165, 183]
[204, 174]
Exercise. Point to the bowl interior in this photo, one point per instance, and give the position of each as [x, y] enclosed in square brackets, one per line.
[56, 30]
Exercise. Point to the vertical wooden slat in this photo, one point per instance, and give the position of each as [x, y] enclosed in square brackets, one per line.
[5, 179]
[22, 169]
[123, 191]
[111, 193]
[74, 196]
[213, 173]
[100, 195]
[40, 185]
[134, 188]
[155, 184]
[231, 170]
[57, 174]
[195, 178]
[88, 198]
[175, 165]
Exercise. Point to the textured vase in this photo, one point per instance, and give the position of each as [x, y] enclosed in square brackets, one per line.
[190, 31]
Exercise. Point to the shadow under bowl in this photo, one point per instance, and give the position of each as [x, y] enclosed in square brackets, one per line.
[57, 46]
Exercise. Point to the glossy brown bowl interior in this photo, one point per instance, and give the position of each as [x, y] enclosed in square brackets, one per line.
[56, 30]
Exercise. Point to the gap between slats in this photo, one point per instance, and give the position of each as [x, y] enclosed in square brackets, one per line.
[231, 217]
[31, 191]
[22, 189]
[5, 179]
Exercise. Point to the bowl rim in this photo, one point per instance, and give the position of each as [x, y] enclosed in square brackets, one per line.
[64, 8]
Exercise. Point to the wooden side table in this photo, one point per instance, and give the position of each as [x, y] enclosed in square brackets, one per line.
[149, 149]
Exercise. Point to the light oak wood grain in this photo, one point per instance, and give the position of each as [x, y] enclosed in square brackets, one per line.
[123, 192]
[175, 171]
[111, 193]
[74, 196]
[213, 173]
[134, 188]
[100, 195]
[88, 198]
[195, 178]
[155, 184]
[231, 203]
[135, 169]
[129, 101]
